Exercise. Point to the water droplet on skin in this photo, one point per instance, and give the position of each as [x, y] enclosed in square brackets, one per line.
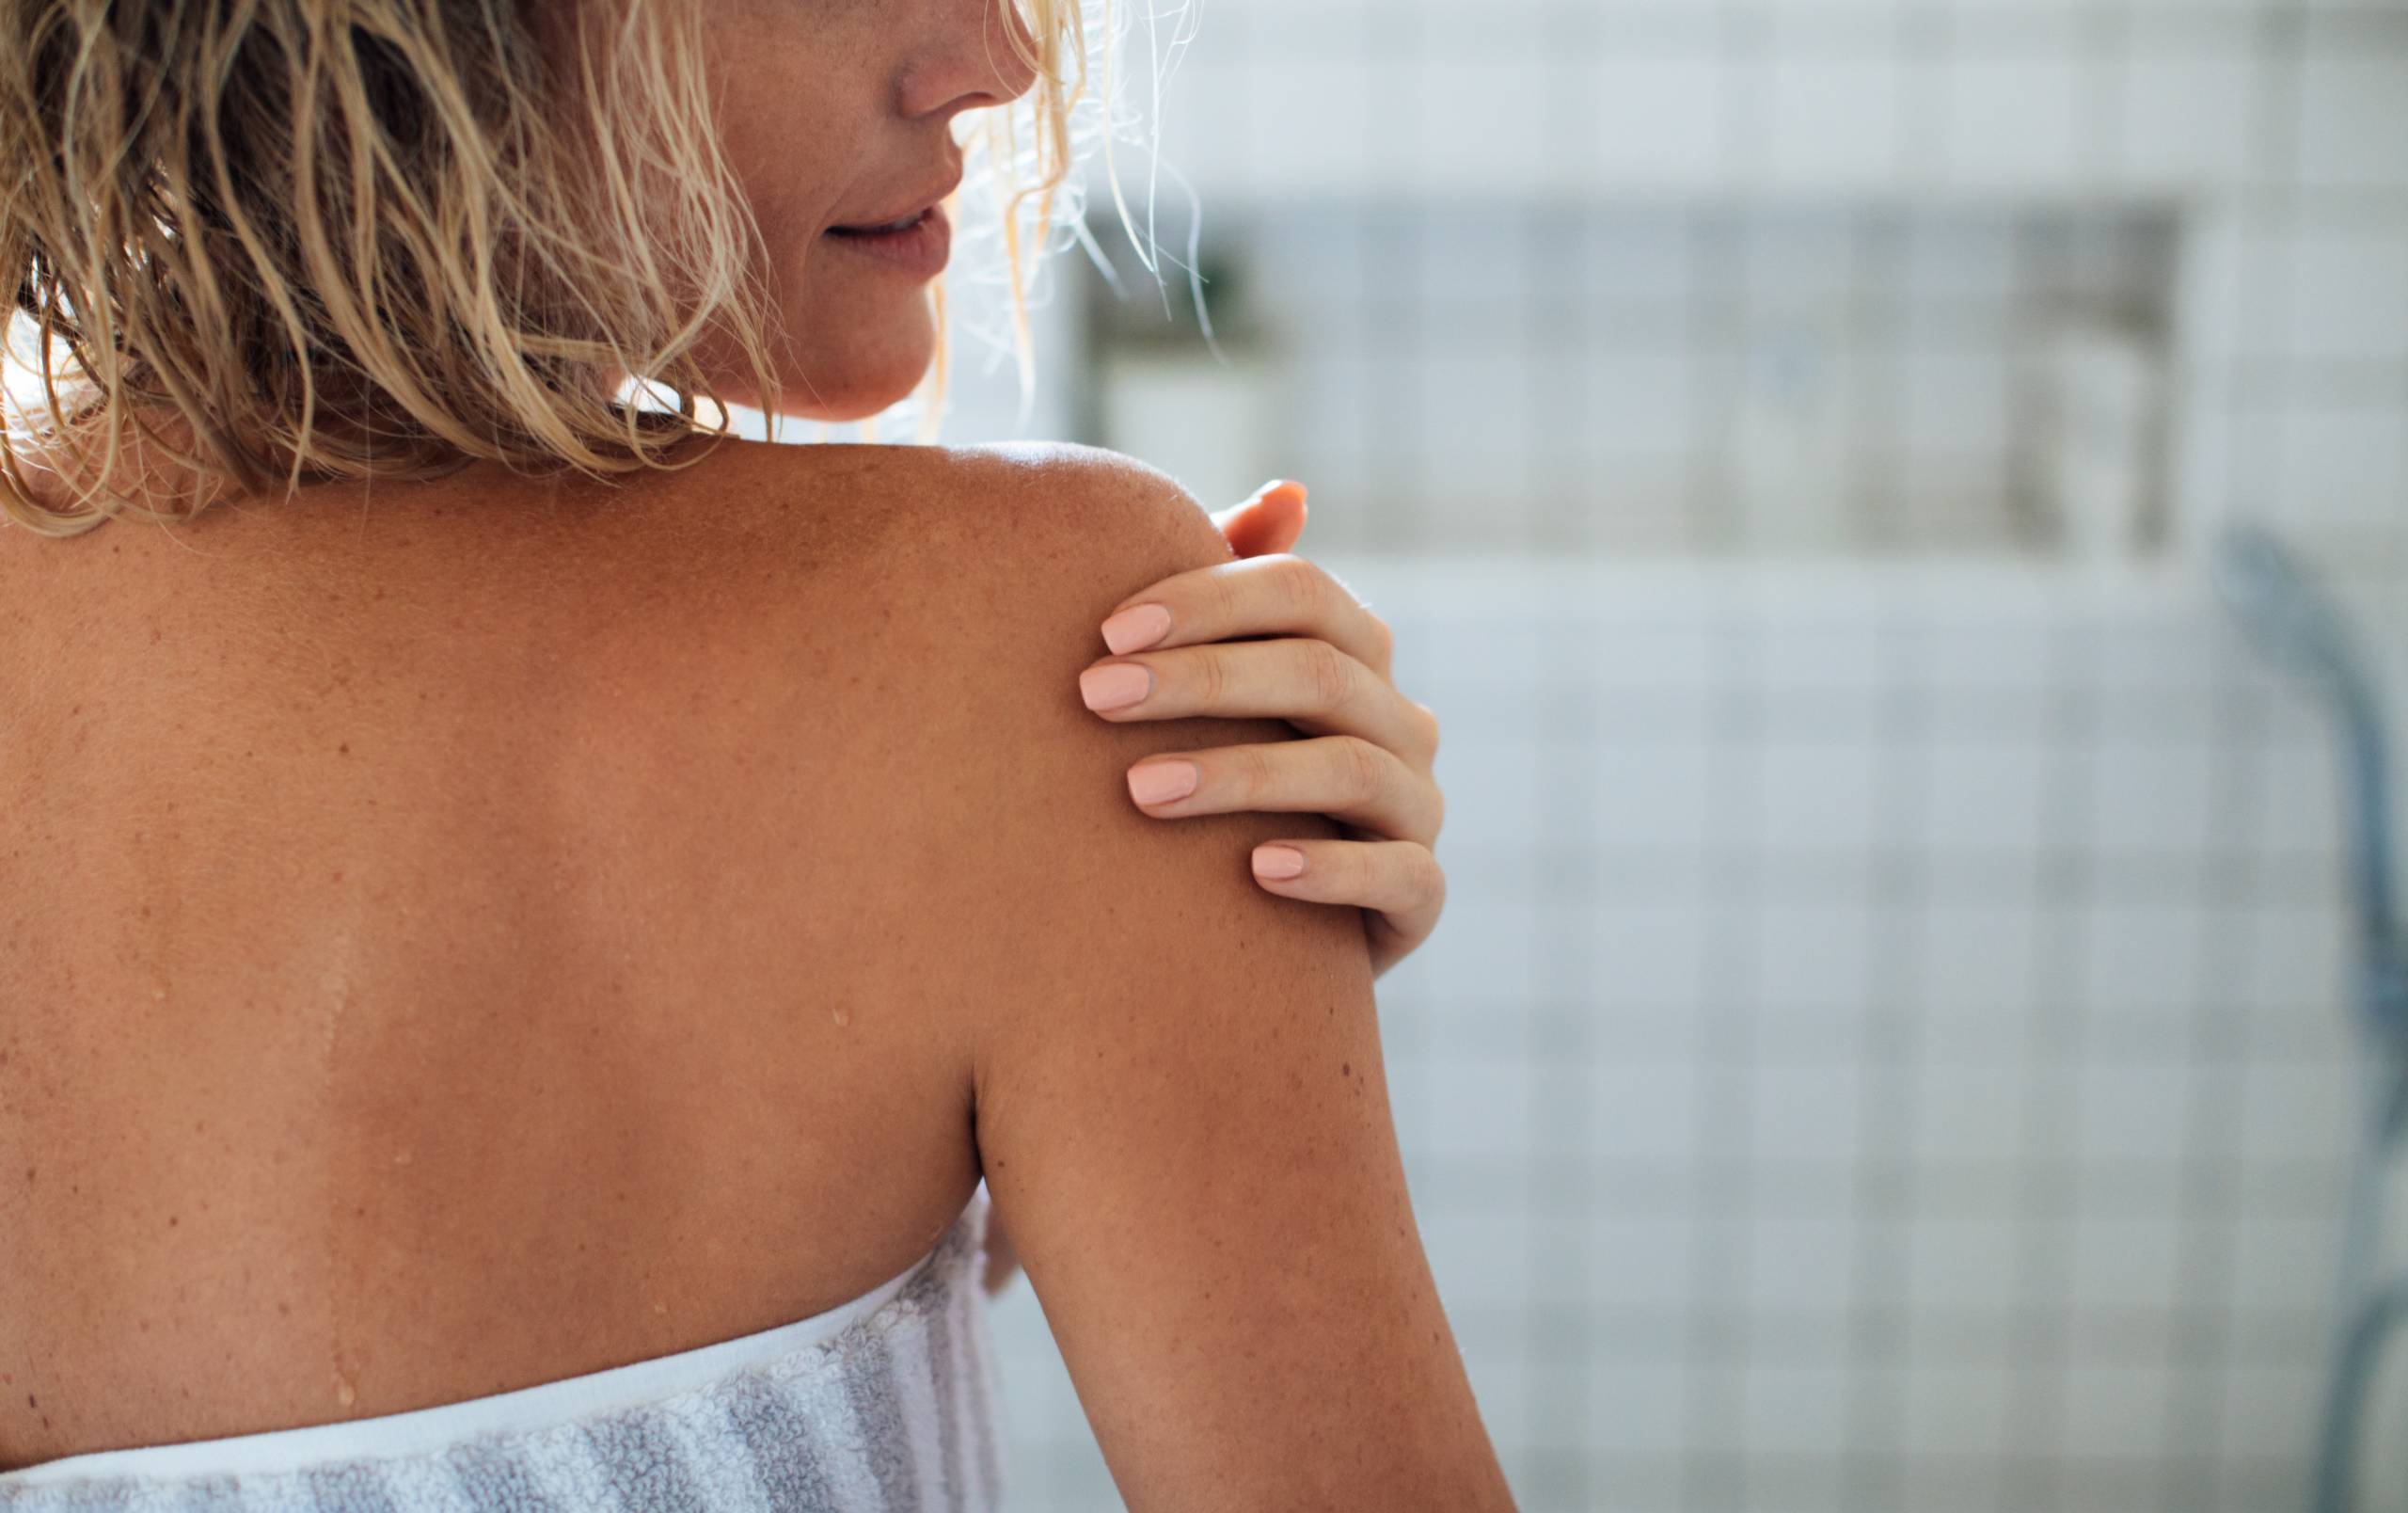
[344, 1393]
[660, 1308]
[842, 1017]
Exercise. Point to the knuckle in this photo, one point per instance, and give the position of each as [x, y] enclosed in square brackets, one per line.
[1325, 674]
[1208, 676]
[1364, 766]
[1224, 598]
[1251, 774]
[1339, 863]
[1300, 585]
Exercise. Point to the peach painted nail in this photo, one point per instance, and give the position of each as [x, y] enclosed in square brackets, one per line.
[1136, 627]
[1116, 687]
[1278, 862]
[1152, 783]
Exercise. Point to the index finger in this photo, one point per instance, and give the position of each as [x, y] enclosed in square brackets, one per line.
[1277, 596]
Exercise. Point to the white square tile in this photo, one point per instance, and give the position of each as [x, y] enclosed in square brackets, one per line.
[1801, 1265]
[1795, 1411]
[2188, 116]
[1306, 124]
[1483, 1108]
[2143, 960]
[1638, 1409]
[2133, 1114]
[2303, 1113]
[1660, 120]
[2294, 740]
[1638, 262]
[2012, 121]
[1645, 1114]
[2124, 1264]
[1848, 654]
[1981, 965]
[1960, 1264]
[2270, 1410]
[2348, 292]
[1651, 959]
[2353, 117]
[1978, 656]
[1641, 404]
[1468, 261]
[1647, 1263]
[2285, 1265]
[1958, 1411]
[1819, 796]
[1986, 796]
[1483, 391]
[2159, 655]
[1484, 126]
[1806, 1116]
[1649, 798]
[2295, 968]
[2343, 464]
[1835, 121]
[1814, 961]
[2115, 1410]
[1971, 1115]
[1667, 662]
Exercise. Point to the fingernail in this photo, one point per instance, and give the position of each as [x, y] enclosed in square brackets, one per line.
[1136, 627]
[1161, 782]
[1116, 687]
[1278, 862]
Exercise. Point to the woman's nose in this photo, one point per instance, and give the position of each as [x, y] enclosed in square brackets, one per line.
[977, 54]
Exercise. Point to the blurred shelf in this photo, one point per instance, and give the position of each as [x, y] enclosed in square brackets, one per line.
[1510, 585]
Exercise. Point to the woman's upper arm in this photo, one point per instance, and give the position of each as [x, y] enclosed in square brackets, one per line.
[1184, 1123]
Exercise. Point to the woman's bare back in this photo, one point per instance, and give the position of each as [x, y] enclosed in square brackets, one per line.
[481, 933]
[494, 933]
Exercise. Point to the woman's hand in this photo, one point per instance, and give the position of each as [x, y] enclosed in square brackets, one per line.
[1175, 653]
[1329, 675]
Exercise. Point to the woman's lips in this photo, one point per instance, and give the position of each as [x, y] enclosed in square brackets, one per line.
[921, 248]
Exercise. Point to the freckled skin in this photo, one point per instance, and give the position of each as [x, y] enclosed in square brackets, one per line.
[702, 884]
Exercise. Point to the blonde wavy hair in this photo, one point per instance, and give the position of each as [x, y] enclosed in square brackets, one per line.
[386, 238]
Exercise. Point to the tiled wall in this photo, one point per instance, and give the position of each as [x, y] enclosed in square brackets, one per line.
[2276, 131]
[1889, 1047]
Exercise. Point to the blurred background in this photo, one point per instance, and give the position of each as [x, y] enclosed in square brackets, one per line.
[1903, 1029]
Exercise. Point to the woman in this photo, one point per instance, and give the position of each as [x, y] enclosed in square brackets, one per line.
[512, 980]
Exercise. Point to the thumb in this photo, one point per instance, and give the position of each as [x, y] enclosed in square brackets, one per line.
[1269, 523]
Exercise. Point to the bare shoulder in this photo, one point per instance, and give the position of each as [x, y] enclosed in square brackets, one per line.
[985, 568]
[953, 597]
[1082, 514]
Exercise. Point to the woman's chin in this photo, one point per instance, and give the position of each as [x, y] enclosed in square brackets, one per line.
[876, 366]
[857, 392]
